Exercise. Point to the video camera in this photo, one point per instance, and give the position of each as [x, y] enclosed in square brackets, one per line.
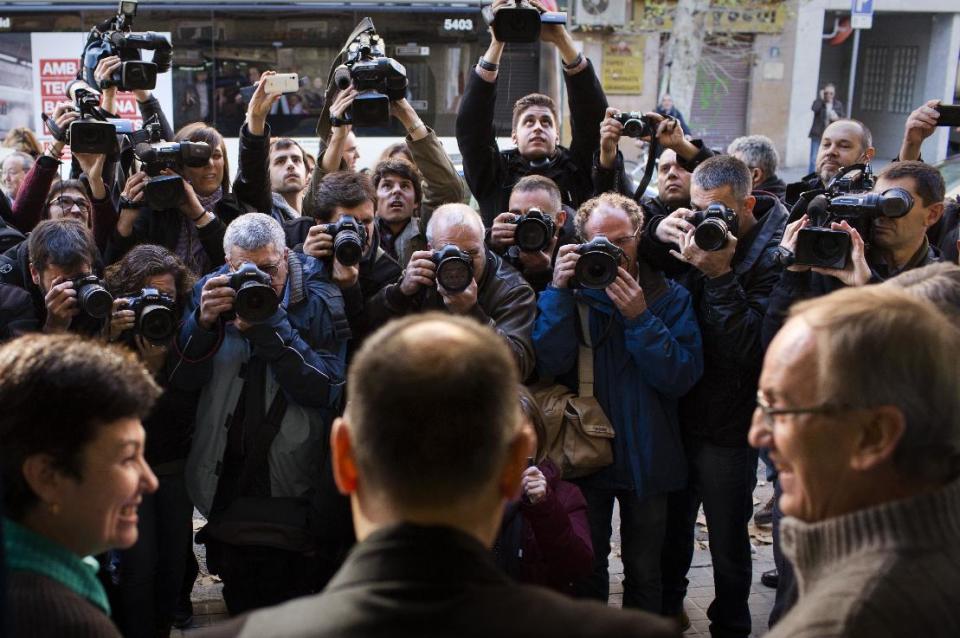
[598, 265]
[378, 79]
[521, 22]
[846, 199]
[93, 132]
[712, 227]
[166, 191]
[114, 37]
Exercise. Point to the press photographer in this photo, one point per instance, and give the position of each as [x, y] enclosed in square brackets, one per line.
[492, 173]
[194, 229]
[264, 341]
[728, 246]
[646, 352]
[458, 274]
[151, 287]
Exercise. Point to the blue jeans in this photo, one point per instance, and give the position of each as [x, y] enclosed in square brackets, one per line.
[642, 526]
[814, 147]
[722, 478]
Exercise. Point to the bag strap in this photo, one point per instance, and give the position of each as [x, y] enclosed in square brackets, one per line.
[585, 358]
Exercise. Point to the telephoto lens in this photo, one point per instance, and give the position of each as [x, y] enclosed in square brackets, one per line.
[94, 300]
[598, 264]
[454, 268]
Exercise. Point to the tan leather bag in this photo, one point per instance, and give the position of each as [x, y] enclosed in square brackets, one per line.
[579, 434]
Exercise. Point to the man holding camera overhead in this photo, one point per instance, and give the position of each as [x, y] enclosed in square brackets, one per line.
[646, 353]
[727, 245]
[264, 339]
[492, 173]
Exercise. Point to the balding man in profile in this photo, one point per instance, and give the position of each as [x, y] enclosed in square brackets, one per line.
[496, 294]
[429, 450]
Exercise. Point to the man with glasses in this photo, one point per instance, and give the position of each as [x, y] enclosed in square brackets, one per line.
[269, 391]
[730, 284]
[858, 405]
[647, 352]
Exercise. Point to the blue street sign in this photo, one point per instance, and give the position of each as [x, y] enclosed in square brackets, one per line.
[861, 14]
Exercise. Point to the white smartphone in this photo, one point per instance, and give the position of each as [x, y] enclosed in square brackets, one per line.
[282, 83]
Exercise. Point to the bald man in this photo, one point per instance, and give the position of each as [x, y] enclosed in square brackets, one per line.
[495, 295]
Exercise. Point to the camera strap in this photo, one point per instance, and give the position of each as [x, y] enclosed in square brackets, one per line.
[652, 153]
[58, 133]
[585, 358]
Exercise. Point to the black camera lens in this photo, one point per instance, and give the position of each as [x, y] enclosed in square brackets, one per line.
[348, 248]
[517, 24]
[157, 323]
[256, 301]
[93, 298]
[534, 231]
[370, 109]
[711, 235]
[831, 246]
[454, 269]
[596, 270]
[164, 191]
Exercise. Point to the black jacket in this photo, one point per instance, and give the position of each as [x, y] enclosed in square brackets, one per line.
[491, 173]
[252, 184]
[796, 286]
[505, 302]
[943, 234]
[775, 186]
[408, 580]
[17, 315]
[820, 123]
[792, 199]
[730, 310]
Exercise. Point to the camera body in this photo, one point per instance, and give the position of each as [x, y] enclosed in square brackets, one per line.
[454, 268]
[636, 124]
[94, 300]
[378, 79]
[167, 191]
[114, 37]
[90, 133]
[349, 240]
[598, 264]
[521, 22]
[712, 226]
[534, 230]
[156, 318]
[256, 299]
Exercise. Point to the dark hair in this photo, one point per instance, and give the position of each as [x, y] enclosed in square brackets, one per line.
[56, 391]
[928, 182]
[67, 185]
[129, 275]
[532, 412]
[342, 188]
[401, 168]
[724, 170]
[432, 396]
[64, 242]
[534, 99]
[534, 183]
[283, 143]
[398, 148]
[200, 132]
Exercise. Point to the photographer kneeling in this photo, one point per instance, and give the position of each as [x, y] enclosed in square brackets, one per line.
[151, 287]
[264, 340]
[458, 274]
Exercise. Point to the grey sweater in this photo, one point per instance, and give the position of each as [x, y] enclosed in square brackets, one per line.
[891, 570]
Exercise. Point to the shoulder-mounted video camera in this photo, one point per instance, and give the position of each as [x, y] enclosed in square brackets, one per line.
[846, 199]
[378, 79]
[166, 191]
[114, 37]
[521, 22]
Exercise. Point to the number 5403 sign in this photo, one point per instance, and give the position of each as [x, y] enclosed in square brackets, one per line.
[458, 24]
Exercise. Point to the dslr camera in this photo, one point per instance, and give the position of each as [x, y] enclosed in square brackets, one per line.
[114, 37]
[256, 300]
[167, 191]
[712, 225]
[821, 246]
[94, 300]
[378, 79]
[156, 318]
[534, 230]
[597, 267]
[349, 240]
[454, 268]
[521, 22]
[636, 124]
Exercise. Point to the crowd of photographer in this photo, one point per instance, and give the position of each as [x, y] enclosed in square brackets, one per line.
[638, 325]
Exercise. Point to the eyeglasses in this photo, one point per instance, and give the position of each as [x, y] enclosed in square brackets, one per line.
[271, 269]
[623, 241]
[66, 203]
[770, 412]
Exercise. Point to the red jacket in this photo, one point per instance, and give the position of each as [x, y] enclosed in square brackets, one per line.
[547, 543]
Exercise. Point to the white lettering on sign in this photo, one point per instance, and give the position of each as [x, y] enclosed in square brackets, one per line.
[59, 68]
[458, 24]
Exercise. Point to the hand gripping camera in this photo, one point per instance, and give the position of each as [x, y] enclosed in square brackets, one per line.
[636, 124]
[349, 240]
[597, 267]
[534, 231]
[712, 226]
[114, 37]
[94, 300]
[454, 268]
[521, 22]
[378, 79]
[156, 319]
[256, 300]
[91, 133]
[821, 246]
[167, 191]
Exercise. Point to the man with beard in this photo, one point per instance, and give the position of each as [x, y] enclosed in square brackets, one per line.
[288, 177]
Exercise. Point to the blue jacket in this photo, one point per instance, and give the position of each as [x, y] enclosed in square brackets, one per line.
[305, 345]
[641, 368]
